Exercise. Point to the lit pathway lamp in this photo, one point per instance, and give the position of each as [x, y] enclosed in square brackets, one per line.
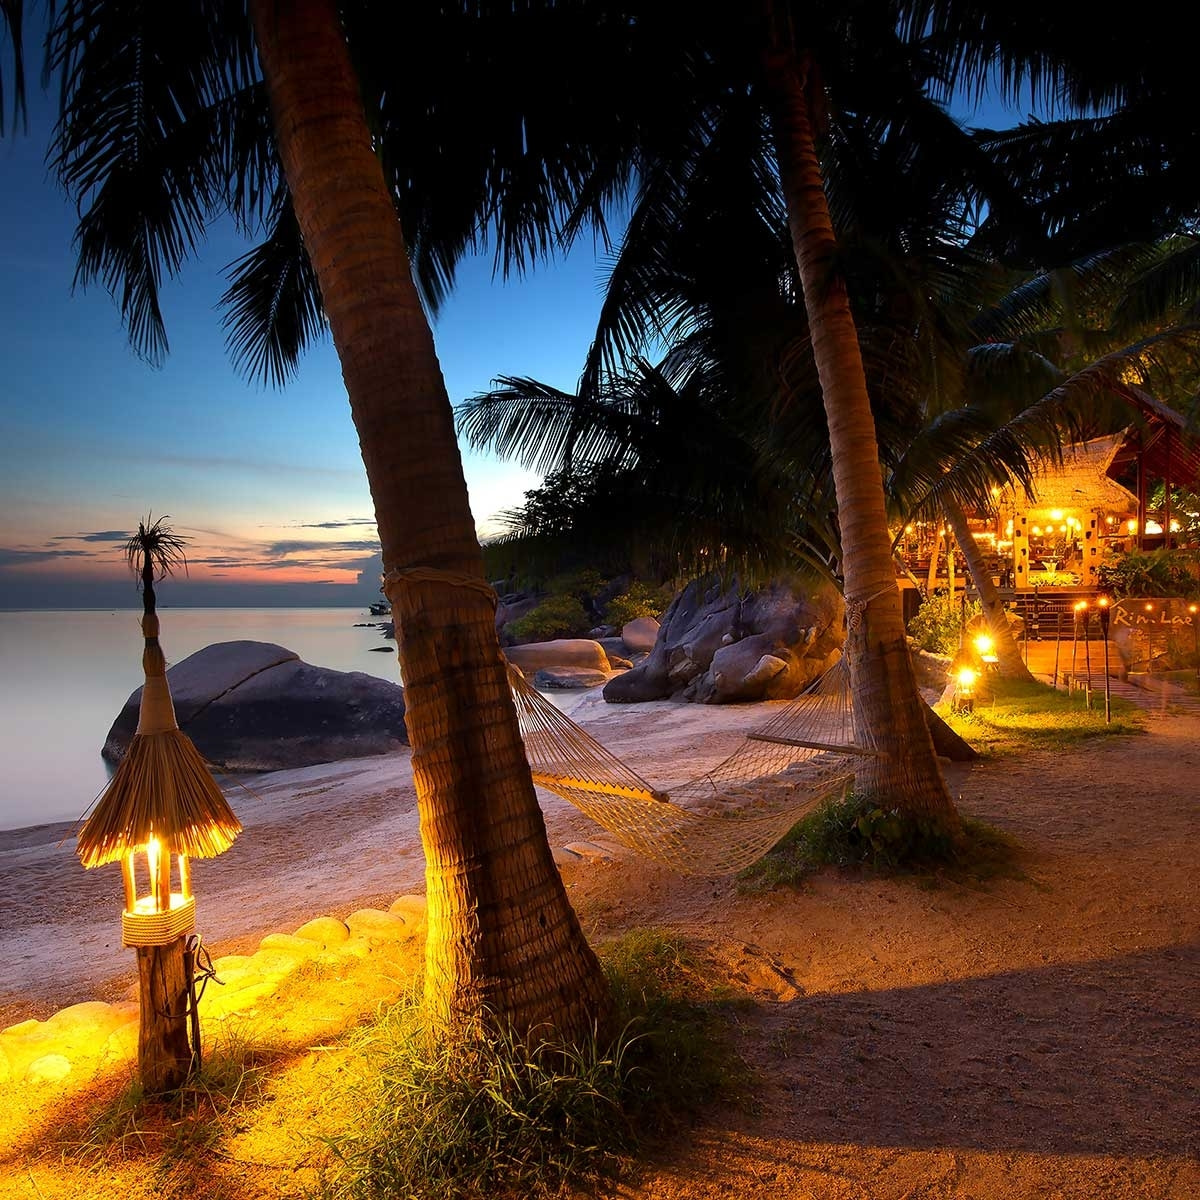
[965, 678]
[1102, 604]
[161, 808]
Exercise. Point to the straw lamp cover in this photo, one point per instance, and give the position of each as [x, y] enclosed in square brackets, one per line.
[162, 787]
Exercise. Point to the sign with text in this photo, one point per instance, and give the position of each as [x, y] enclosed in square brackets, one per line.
[1147, 612]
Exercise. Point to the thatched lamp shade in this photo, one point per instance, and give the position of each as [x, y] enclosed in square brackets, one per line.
[161, 803]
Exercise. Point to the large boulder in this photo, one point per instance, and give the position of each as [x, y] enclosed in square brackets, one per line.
[254, 706]
[722, 644]
[579, 654]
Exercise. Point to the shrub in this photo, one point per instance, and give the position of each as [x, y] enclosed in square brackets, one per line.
[555, 617]
[937, 626]
[1155, 573]
[637, 600]
[495, 1116]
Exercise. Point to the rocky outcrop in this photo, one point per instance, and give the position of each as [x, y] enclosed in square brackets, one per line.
[640, 634]
[254, 706]
[719, 645]
[576, 654]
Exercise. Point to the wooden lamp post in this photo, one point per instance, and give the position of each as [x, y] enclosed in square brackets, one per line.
[162, 804]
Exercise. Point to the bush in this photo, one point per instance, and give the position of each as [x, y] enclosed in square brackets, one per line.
[637, 600]
[498, 1117]
[1156, 573]
[937, 626]
[555, 617]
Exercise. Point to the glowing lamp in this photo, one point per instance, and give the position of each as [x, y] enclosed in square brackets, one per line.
[964, 689]
[1133, 527]
[1103, 603]
[159, 914]
[1056, 514]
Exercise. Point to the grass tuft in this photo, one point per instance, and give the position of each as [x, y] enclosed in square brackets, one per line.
[183, 1124]
[853, 831]
[499, 1116]
[1025, 716]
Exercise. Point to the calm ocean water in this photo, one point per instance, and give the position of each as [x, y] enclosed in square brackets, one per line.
[65, 675]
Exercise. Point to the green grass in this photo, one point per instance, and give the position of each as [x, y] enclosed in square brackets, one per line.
[498, 1117]
[856, 832]
[1024, 716]
[182, 1124]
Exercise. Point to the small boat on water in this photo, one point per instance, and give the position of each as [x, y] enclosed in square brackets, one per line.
[381, 608]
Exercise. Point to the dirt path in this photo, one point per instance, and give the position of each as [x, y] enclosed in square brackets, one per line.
[1033, 1037]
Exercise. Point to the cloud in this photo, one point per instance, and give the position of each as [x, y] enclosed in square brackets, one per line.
[348, 523]
[105, 535]
[280, 549]
[11, 557]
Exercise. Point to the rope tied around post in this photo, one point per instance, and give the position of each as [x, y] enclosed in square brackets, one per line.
[407, 575]
[857, 609]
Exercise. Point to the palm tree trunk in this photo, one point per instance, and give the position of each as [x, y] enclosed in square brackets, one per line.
[1011, 665]
[931, 574]
[503, 942]
[885, 688]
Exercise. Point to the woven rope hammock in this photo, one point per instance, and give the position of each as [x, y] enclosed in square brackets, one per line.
[729, 817]
[717, 824]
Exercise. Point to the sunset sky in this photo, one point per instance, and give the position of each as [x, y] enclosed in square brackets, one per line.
[268, 484]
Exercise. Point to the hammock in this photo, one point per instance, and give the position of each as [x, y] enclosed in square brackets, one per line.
[729, 817]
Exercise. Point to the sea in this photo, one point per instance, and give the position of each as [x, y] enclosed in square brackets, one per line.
[64, 677]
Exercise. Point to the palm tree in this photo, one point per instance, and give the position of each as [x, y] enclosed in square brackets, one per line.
[165, 123]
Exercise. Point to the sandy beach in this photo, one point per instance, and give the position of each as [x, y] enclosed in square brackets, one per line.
[1030, 1036]
[318, 840]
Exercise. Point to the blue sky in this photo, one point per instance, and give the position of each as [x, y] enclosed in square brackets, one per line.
[267, 483]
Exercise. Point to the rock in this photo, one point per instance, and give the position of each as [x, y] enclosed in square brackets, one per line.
[513, 606]
[324, 932]
[91, 1021]
[560, 654]
[589, 850]
[289, 943]
[640, 634]
[50, 1068]
[564, 857]
[374, 923]
[254, 706]
[411, 908]
[617, 663]
[719, 645]
[566, 679]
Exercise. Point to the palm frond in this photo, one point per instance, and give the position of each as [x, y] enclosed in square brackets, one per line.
[1167, 289]
[273, 309]
[138, 145]
[155, 548]
[12, 23]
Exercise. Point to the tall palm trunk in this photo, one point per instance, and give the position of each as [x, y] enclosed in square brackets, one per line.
[503, 942]
[885, 689]
[1011, 664]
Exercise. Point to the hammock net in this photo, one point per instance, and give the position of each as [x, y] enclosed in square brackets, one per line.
[727, 818]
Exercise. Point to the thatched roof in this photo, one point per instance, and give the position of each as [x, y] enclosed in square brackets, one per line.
[1081, 480]
[162, 788]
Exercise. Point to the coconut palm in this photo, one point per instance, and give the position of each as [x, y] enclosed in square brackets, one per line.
[172, 117]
